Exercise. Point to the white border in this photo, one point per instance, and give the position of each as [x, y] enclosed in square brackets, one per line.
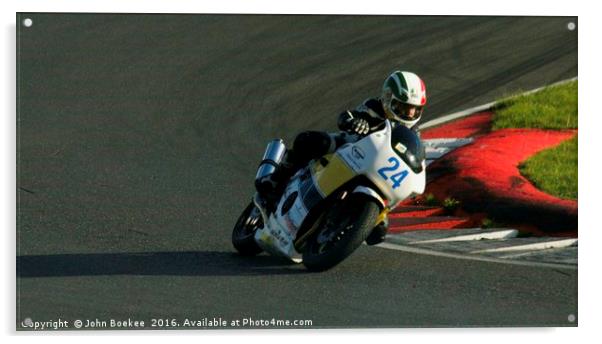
[378, 7]
[589, 57]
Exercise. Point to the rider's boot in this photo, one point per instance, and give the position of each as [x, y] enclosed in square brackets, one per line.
[271, 187]
[378, 233]
[266, 193]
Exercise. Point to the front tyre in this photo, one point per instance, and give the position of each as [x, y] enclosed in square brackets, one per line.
[243, 235]
[346, 225]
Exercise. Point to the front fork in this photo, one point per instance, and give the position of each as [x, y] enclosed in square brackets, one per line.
[382, 217]
[378, 233]
[260, 204]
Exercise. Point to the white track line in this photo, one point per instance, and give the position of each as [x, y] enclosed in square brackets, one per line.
[498, 235]
[531, 247]
[522, 254]
[434, 154]
[436, 148]
[447, 142]
[423, 251]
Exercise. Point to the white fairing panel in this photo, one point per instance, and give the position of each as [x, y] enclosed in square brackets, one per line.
[374, 157]
[279, 235]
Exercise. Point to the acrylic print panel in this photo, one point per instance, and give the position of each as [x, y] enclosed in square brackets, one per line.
[139, 137]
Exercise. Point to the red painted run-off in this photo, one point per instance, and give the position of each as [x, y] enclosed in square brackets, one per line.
[427, 223]
[491, 163]
[416, 211]
[412, 218]
[485, 172]
[477, 124]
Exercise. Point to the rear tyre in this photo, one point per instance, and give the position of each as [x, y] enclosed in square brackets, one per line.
[346, 225]
[243, 235]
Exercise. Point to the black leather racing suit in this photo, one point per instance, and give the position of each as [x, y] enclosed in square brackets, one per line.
[310, 145]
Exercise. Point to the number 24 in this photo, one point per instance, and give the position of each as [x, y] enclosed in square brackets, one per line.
[397, 178]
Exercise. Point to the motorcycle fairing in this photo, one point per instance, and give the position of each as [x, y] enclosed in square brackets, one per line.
[306, 189]
[375, 157]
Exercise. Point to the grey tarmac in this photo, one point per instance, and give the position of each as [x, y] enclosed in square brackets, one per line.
[138, 137]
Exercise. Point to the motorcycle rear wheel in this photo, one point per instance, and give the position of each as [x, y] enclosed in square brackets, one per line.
[344, 228]
[243, 234]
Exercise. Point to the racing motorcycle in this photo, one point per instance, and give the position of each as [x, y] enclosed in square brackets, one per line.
[330, 207]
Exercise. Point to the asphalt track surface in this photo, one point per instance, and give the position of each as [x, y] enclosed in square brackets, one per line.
[139, 136]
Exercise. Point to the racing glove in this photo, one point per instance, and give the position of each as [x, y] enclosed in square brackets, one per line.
[351, 124]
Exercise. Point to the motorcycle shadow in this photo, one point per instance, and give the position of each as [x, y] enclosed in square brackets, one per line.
[198, 263]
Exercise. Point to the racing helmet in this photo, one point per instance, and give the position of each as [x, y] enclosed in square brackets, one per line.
[403, 97]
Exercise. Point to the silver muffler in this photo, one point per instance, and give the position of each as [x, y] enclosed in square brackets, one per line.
[274, 153]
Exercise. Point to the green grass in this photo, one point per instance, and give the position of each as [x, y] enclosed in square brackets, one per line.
[431, 201]
[450, 204]
[551, 108]
[554, 170]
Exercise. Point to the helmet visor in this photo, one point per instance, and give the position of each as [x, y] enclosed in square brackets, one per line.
[405, 111]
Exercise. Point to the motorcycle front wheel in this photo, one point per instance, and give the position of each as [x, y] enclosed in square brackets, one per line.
[243, 234]
[346, 225]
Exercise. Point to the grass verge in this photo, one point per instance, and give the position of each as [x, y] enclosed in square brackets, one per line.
[554, 170]
[551, 108]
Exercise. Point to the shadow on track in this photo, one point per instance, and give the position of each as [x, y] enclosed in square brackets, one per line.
[209, 263]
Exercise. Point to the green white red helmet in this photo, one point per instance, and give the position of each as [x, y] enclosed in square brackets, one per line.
[402, 91]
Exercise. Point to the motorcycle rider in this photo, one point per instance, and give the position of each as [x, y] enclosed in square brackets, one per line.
[402, 101]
